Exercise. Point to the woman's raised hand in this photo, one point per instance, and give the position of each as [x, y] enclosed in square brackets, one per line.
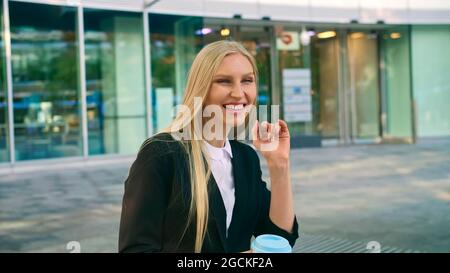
[273, 140]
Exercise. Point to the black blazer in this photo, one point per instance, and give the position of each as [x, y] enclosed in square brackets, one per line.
[157, 196]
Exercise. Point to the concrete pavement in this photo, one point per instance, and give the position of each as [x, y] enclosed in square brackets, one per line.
[397, 195]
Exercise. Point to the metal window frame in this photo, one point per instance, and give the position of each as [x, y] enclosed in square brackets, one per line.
[9, 85]
[147, 71]
[344, 92]
[82, 79]
[133, 6]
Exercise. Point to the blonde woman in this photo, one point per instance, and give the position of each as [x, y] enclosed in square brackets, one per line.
[203, 192]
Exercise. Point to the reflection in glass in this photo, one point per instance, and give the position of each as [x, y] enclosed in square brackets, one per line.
[364, 83]
[4, 153]
[175, 41]
[45, 83]
[325, 74]
[114, 53]
[397, 96]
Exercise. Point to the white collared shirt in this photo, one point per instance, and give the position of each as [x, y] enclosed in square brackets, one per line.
[222, 170]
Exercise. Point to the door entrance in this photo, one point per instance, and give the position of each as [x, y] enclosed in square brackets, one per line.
[363, 87]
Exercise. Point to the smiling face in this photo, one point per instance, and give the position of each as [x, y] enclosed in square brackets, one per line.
[233, 89]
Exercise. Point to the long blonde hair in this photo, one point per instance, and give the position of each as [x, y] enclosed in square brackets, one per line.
[198, 84]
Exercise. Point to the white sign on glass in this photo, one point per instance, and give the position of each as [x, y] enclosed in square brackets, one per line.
[297, 102]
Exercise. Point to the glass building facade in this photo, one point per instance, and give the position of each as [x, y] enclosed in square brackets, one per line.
[91, 81]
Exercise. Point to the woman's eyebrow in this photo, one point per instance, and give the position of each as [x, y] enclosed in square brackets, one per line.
[230, 76]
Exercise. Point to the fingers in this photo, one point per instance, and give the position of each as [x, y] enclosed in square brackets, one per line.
[255, 131]
[284, 130]
[282, 124]
[265, 132]
[266, 136]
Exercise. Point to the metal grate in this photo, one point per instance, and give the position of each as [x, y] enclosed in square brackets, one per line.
[308, 243]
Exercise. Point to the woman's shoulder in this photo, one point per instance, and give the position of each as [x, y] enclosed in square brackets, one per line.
[161, 144]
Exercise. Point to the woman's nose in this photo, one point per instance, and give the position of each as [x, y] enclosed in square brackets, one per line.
[237, 91]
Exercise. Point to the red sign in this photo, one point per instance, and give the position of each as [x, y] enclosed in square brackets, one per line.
[286, 38]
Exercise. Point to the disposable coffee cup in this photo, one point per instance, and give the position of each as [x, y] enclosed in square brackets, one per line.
[269, 243]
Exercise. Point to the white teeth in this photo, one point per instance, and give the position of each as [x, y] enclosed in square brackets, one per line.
[234, 107]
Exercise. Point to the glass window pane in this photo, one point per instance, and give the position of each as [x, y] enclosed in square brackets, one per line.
[4, 153]
[175, 40]
[363, 68]
[114, 49]
[325, 85]
[397, 83]
[430, 64]
[47, 120]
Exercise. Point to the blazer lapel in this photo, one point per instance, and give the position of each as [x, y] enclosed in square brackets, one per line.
[218, 210]
[241, 190]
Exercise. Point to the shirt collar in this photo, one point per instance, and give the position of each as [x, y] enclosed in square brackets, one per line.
[219, 153]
